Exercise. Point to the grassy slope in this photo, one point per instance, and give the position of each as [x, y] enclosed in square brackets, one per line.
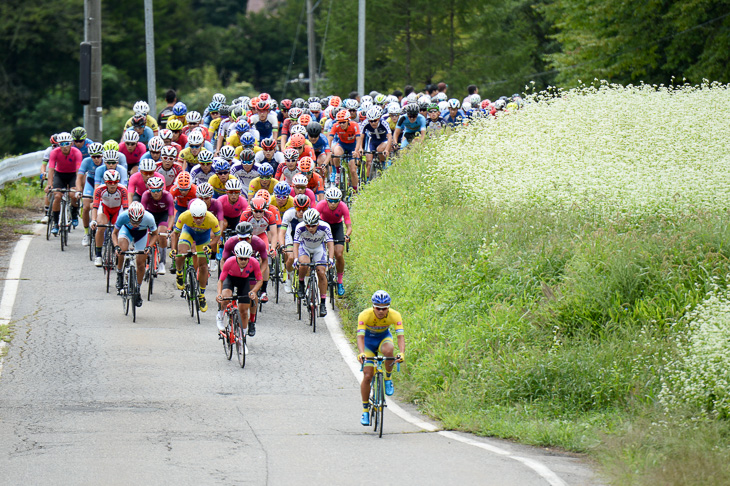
[552, 329]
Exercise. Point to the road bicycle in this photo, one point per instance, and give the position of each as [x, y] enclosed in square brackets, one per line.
[108, 257]
[150, 272]
[378, 166]
[64, 218]
[376, 401]
[311, 293]
[130, 291]
[234, 334]
[191, 288]
[276, 274]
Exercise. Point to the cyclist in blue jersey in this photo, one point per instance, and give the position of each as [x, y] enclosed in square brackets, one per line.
[80, 141]
[412, 124]
[376, 137]
[264, 121]
[453, 116]
[320, 144]
[111, 161]
[85, 178]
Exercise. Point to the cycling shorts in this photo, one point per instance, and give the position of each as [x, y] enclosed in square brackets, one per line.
[374, 143]
[338, 233]
[136, 238]
[315, 256]
[232, 222]
[197, 240]
[160, 218]
[62, 180]
[374, 342]
[89, 189]
[239, 286]
[347, 147]
[137, 197]
[110, 213]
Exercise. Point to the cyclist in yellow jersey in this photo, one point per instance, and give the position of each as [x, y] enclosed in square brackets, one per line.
[198, 229]
[373, 338]
[151, 123]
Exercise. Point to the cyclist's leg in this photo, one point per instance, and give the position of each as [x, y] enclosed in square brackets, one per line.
[141, 259]
[124, 239]
[101, 218]
[371, 342]
[387, 348]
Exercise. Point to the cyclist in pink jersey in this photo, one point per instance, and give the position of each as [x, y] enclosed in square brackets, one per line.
[233, 204]
[138, 181]
[63, 164]
[132, 149]
[299, 186]
[336, 213]
[235, 276]
[160, 204]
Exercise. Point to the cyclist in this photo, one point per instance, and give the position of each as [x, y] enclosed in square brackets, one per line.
[320, 145]
[434, 122]
[336, 213]
[288, 169]
[294, 114]
[111, 161]
[154, 148]
[347, 133]
[375, 136]
[245, 170]
[85, 179]
[194, 120]
[453, 116]
[144, 132]
[233, 204]
[167, 167]
[142, 108]
[262, 220]
[80, 141]
[132, 149]
[373, 337]
[203, 170]
[189, 157]
[282, 199]
[159, 203]
[411, 125]
[289, 222]
[235, 275]
[247, 141]
[222, 175]
[313, 242]
[264, 121]
[299, 186]
[109, 199]
[44, 173]
[170, 99]
[138, 181]
[269, 154]
[183, 193]
[263, 181]
[197, 229]
[178, 138]
[205, 193]
[134, 227]
[314, 180]
[63, 166]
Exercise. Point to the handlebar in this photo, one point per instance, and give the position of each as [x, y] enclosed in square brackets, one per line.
[379, 359]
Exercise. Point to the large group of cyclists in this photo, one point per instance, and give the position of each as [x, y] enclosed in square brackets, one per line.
[250, 193]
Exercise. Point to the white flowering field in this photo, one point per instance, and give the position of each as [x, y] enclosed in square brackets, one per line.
[652, 150]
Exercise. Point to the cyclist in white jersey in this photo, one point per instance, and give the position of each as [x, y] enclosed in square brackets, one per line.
[311, 238]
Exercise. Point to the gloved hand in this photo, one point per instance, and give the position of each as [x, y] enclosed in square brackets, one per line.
[92, 224]
[400, 357]
[296, 262]
[361, 358]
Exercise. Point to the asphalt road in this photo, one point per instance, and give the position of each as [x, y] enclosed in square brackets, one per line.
[88, 397]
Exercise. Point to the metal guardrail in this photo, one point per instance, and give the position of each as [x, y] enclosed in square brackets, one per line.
[16, 168]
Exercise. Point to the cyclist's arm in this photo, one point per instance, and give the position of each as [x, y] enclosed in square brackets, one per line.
[115, 236]
[401, 343]
[348, 229]
[331, 249]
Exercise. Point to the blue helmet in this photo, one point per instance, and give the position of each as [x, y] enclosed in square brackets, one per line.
[214, 106]
[242, 126]
[265, 170]
[221, 165]
[180, 109]
[282, 190]
[247, 139]
[381, 297]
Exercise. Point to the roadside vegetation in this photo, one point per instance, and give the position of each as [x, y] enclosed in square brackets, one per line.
[563, 275]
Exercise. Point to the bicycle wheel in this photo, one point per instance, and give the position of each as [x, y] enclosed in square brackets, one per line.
[277, 277]
[188, 290]
[314, 291]
[331, 284]
[133, 289]
[152, 262]
[381, 405]
[374, 402]
[92, 239]
[125, 293]
[49, 224]
[227, 343]
[240, 344]
[195, 291]
[62, 225]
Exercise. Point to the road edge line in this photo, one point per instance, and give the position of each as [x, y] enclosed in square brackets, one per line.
[12, 281]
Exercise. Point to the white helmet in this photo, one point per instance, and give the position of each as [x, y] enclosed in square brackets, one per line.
[220, 98]
[413, 96]
[443, 105]
[198, 208]
[394, 108]
[475, 99]
[204, 190]
[165, 134]
[311, 217]
[227, 152]
[196, 138]
[466, 106]
[315, 106]
[299, 180]
[233, 185]
[205, 156]
[155, 144]
[454, 103]
[441, 97]
[136, 211]
[64, 137]
[333, 192]
[243, 249]
[147, 165]
[141, 107]
[365, 99]
[375, 113]
[193, 117]
[110, 155]
[112, 175]
[391, 99]
[299, 129]
[130, 136]
[351, 104]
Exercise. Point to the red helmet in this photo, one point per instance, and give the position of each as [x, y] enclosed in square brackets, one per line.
[335, 101]
[291, 154]
[263, 194]
[343, 115]
[184, 181]
[297, 140]
[305, 164]
[301, 201]
[258, 203]
[305, 120]
[264, 96]
[286, 104]
[268, 144]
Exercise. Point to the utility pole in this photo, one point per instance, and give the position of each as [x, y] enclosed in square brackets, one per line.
[311, 49]
[93, 29]
[361, 48]
[149, 37]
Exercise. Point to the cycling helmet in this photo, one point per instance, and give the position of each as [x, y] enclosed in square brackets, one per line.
[298, 129]
[78, 134]
[112, 175]
[169, 151]
[274, 104]
[264, 96]
[227, 153]
[412, 109]
[108, 145]
[265, 170]
[394, 109]
[282, 190]
[130, 136]
[263, 105]
[64, 137]
[268, 144]
[500, 104]
[475, 99]
[147, 165]
[314, 129]
[136, 211]
[233, 185]
[301, 201]
[244, 229]
[165, 134]
[258, 203]
[205, 156]
[335, 101]
[193, 117]
[179, 109]
[243, 249]
[413, 96]
[342, 115]
[141, 107]
[96, 148]
[366, 99]
[291, 154]
[313, 99]
[433, 107]
[297, 140]
[454, 103]
[304, 120]
[306, 164]
[485, 104]
[155, 182]
[315, 106]
[443, 105]
[219, 98]
[221, 165]
[247, 140]
[214, 107]
[299, 103]
[110, 155]
[375, 113]
[285, 104]
[204, 190]
[242, 126]
[381, 298]
[236, 113]
[155, 144]
[299, 180]
[196, 138]
[379, 99]
[139, 121]
[244, 102]
[174, 125]
[366, 105]
[391, 99]
[53, 140]
[198, 208]
[466, 106]
[333, 192]
[263, 194]
[184, 181]
[423, 105]
[224, 110]
[351, 104]
[440, 97]
[247, 155]
[311, 217]
[295, 113]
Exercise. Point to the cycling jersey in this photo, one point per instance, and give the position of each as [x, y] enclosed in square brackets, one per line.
[258, 245]
[244, 176]
[233, 210]
[316, 184]
[276, 161]
[185, 156]
[265, 127]
[219, 187]
[84, 148]
[166, 204]
[339, 215]
[99, 175]
[412, 126]
[135, 155]
[322, 145]
[151, 123]
[216, 209]
[282, 207]
[199, 176]
[138, 232]
[137, 184]
[88, 168]
[255, 185]
[453, 121]
[285, 174]
[183, 200]
[313, 241]
[348, 134]
[169, 174]
[111, 200]
[200, 231]
[232, 269]
[164, 115]
[379, 134]
[62, 163]
[309, 193]
[367, 323]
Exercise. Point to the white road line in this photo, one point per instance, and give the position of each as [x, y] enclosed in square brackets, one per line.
[335, 328]
[11, 283]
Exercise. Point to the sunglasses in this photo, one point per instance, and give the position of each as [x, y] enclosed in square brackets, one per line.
[381, 308]
[194, 146]
[155, 191]
[110, 162]
[301, 188]
[258, 210]
[237, 193]
[213, 112]
[308, 173]
[109, 183]
[206, 163]
[311, 225]
[96, 156]
[265, 178]
[130, 143]
[352, 111]
[154, 151]
[176, 131]
[167, 157]
[333, 201]
[242, 259]
[64, 144]
[147, 173]
[223, 173]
